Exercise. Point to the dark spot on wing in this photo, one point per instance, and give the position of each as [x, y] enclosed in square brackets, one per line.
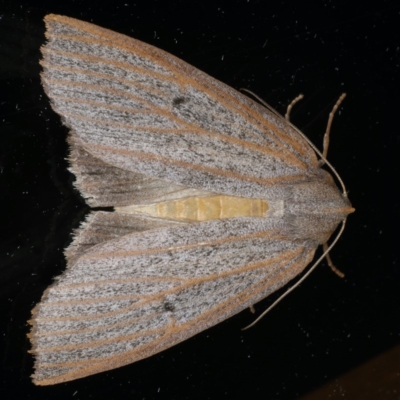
[178, 101]
[169, 306]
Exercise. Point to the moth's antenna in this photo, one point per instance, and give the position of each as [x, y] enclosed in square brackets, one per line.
[326, 142]
[326, 135]
[324, 153]
[302, 278]
[266, 105]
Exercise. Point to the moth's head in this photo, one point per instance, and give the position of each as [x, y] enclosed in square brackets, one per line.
[319, 196]
[315, 208]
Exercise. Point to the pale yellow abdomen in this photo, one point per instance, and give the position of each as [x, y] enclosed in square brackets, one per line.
[202, 208]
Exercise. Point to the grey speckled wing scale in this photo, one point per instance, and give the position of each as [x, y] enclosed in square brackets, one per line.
[141, 109]
[218, 203]
[129, 298]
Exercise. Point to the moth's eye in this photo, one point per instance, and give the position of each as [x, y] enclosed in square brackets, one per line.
[178, 101]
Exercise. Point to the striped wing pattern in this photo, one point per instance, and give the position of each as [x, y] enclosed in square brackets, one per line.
[144, 292]
[146, 126]
[141, 109]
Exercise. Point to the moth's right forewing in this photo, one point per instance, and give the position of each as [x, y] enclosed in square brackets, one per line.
[128, 298]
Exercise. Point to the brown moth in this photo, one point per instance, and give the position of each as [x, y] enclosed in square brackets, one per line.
[218, 201]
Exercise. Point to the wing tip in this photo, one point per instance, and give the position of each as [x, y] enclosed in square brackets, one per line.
[49, 18]
[45, 381]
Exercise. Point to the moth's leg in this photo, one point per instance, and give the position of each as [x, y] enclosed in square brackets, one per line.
[328, 129]
[290, 106]
[252, 309]
[339, 273]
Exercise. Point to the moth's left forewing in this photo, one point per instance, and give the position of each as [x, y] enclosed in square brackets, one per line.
[141, 109]
[128, 298]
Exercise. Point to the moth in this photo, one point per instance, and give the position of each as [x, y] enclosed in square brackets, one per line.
[219, 201]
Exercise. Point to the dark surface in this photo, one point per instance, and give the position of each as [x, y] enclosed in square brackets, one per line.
[377, 378]
[328, 326]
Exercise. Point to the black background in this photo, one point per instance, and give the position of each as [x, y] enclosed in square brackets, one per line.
[278, 49]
